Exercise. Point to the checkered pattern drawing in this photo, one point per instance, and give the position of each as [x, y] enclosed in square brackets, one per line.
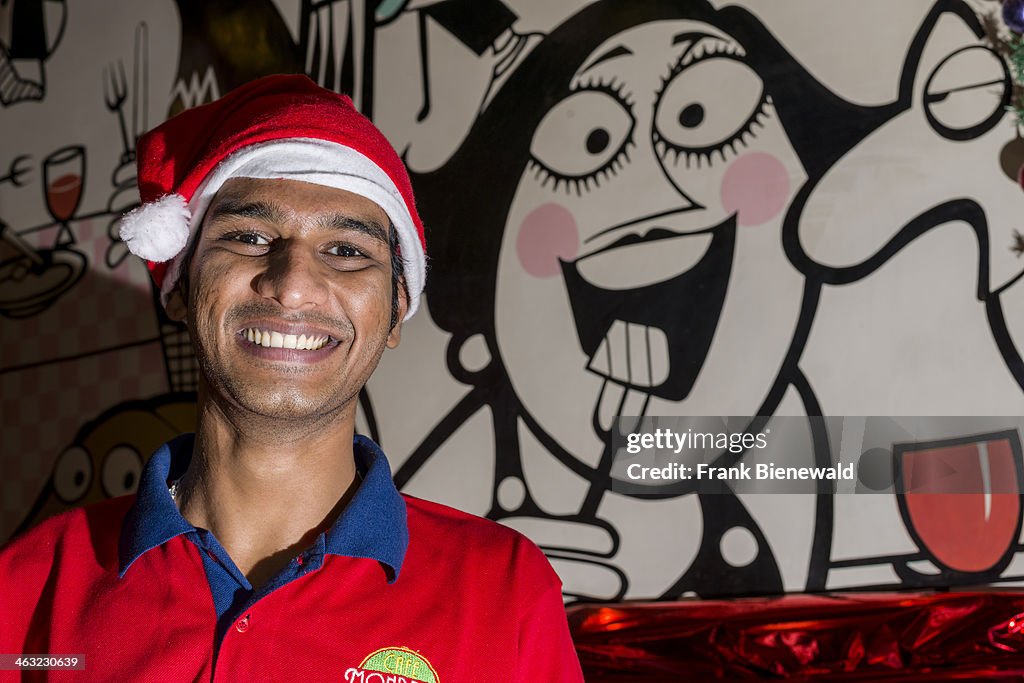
[98, 345]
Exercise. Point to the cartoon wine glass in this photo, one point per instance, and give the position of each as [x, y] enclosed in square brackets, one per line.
[63, 174]
[961, 501]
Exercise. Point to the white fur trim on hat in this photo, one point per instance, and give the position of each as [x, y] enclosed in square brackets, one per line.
[157, 231]
[323, 163]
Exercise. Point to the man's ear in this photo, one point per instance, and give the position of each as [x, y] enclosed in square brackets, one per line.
[395, 335]
[176, 308]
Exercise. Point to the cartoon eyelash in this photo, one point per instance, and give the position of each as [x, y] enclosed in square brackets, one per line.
[704, 45]
[583, 183]
[592, 180]
[700, 155]
[705, 48]
[611, 86]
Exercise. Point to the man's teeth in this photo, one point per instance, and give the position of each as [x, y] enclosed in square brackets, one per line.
[276, 340]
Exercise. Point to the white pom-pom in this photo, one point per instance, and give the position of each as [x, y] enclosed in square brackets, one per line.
[157, 231]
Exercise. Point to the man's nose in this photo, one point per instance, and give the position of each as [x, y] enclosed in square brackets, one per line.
[294, 276]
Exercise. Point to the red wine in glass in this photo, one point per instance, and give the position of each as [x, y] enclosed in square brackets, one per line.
[961, 500]
[63, 173]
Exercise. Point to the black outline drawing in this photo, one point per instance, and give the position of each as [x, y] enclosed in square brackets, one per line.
[461, 289]
[28, 41]
[947, 575]
[461, 299]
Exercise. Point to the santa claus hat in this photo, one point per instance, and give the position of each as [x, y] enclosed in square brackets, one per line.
[274, 127]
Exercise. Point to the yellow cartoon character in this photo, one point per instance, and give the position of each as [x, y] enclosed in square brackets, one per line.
[106, 458]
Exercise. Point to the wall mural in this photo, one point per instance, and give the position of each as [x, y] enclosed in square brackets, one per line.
[655, 207]
[29, 33]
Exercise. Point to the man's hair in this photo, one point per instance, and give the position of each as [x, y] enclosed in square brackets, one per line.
[397, 272]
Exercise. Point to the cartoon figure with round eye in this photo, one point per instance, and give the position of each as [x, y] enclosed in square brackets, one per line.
[927, 251]
[946, 135]
[620, 253]
[106, 457]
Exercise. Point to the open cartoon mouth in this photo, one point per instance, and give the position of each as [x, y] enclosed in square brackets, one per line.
[647, 319]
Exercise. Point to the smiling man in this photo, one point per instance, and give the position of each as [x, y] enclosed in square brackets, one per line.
[280, 224]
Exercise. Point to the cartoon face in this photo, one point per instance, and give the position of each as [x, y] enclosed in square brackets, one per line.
[953, 118]
[642, 255]
[106, 458]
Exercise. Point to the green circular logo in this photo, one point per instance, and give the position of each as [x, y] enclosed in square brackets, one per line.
[401, 661]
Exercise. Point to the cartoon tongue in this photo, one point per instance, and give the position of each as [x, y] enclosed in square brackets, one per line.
[617, 400]
[631, 357]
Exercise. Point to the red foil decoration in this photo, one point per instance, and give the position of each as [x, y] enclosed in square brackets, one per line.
[850, 637]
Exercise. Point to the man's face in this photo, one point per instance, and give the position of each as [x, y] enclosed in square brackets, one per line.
[289, 297]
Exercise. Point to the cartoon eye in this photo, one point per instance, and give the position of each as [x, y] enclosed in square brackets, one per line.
[582, 139]
[72, 474]
[708, 106]
[121, 470]
[967, 93]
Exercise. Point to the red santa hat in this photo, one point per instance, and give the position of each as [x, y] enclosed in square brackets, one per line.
[273, 127]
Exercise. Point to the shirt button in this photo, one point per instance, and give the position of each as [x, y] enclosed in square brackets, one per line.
[242, 625]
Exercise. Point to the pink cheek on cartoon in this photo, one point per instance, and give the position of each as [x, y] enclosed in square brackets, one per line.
[547, 234]
[755, 188]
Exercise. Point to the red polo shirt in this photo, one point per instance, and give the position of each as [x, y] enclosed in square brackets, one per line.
[398, 590]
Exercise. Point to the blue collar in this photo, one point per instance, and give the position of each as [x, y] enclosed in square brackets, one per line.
[373, 524]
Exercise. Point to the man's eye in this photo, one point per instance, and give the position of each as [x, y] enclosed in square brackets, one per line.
[345, 250]
[253, 238]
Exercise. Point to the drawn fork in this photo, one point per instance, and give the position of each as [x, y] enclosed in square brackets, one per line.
[115, 91]
[19, 169]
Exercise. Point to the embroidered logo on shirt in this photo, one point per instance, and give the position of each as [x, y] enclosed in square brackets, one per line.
[393, 665]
